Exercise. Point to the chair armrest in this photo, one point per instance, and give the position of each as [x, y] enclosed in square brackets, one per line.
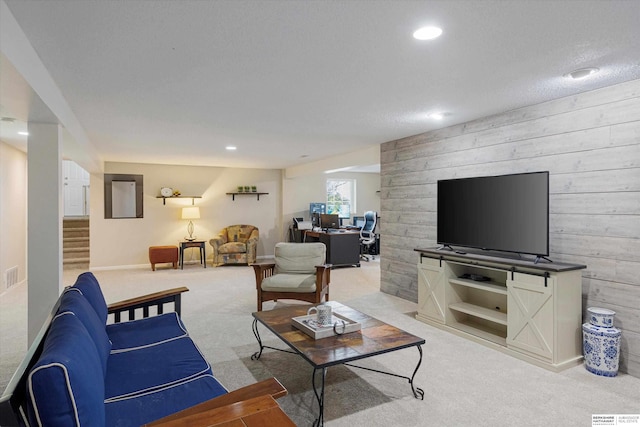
[254, 236]
[262, 266]
[146, 301]
[262, 270]
[217, 241]
[271, 388]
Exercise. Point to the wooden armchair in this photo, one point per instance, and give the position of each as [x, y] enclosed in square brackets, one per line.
[299, 272]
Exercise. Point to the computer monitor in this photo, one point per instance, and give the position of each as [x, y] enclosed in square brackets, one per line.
[358, 221]
[329, 221]
[317, 207]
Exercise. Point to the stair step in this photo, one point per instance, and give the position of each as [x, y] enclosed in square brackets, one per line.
[78, 249]
[75, 242]
[73, 261]
[70, 256]
[75, 228]
[75, 232]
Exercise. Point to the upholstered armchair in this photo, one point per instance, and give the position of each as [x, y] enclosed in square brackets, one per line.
[235, 244]
[299, 272]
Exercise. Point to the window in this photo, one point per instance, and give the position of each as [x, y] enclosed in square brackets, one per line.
[341, 196]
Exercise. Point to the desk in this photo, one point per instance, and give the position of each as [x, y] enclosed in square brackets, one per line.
[193, 244]
[343, 247]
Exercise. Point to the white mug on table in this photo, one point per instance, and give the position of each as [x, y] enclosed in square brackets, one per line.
[323, 314]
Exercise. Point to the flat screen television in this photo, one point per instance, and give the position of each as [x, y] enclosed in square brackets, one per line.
[508, 213]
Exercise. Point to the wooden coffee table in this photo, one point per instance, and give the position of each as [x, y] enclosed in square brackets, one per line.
[375, 337]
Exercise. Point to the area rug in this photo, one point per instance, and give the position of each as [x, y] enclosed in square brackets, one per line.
[348, 390]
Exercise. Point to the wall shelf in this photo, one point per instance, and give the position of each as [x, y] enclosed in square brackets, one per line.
[164, 199]
[233, 195]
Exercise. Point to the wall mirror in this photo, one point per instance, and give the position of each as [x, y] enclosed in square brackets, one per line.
[122, 195]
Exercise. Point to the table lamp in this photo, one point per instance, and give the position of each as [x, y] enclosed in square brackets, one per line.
[190, 213]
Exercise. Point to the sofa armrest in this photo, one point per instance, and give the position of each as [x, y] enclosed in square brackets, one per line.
[203, 411]
[261, 411]
[157, 298]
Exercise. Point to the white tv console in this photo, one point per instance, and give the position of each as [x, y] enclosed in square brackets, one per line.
[532, 311]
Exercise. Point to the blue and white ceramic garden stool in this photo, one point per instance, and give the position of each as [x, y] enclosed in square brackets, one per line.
[601, 342]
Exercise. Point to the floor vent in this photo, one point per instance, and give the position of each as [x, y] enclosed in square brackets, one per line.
[11, 276]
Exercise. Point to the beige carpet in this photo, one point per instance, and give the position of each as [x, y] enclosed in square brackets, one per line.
[465, 384]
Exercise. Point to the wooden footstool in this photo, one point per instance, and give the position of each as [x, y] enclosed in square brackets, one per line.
[160, 254]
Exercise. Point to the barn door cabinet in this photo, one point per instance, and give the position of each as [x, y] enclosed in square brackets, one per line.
[529, 310]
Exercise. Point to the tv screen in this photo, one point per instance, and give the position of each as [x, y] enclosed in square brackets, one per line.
[507, 213]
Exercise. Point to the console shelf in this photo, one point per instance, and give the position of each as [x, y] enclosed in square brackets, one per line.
[482, 332]
[531, 311]
[486, 286]
[481, 312]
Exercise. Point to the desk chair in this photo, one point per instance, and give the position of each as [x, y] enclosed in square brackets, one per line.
[368, 235]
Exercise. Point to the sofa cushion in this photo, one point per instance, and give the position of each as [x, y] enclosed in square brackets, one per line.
[73, 301]
[156, 366]
[66, 385]
[284, 282]
[145, 332]
[90, 288]
[141, 409]
[298, 258]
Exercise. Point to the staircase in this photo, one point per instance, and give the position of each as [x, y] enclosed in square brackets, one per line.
[75, 243]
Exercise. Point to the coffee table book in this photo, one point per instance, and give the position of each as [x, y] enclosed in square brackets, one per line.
[309, 326]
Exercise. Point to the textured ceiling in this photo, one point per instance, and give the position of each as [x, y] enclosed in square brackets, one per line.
[289, 82]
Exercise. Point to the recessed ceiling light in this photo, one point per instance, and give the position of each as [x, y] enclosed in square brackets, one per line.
[582, 73]
[437, 115]
[230, 147]
[427, 33]
[23, 133]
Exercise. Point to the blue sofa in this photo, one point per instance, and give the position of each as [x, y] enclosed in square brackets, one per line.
[88, 372]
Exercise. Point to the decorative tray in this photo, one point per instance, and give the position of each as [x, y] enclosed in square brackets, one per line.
[309, 326]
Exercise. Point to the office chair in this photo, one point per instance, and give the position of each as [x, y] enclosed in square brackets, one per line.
[368, 235]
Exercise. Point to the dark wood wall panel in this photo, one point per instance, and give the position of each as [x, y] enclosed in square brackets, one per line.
[589, 143]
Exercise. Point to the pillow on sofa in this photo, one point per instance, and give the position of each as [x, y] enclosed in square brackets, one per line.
[66, 385]
[72, 300]
[90, 288]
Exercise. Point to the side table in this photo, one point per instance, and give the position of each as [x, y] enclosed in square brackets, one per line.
[193, 244]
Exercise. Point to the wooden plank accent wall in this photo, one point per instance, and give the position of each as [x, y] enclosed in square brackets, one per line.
[589, 143]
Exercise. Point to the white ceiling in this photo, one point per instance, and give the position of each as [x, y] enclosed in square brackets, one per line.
[289, 82]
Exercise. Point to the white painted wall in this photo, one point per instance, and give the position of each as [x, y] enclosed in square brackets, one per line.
[125, 241]
[13, 212]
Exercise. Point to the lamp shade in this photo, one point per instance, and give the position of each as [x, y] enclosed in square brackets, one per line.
[191, 213]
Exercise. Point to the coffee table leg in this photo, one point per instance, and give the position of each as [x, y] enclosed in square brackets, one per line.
[320, 420]
[418, 393]
[256, 333]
